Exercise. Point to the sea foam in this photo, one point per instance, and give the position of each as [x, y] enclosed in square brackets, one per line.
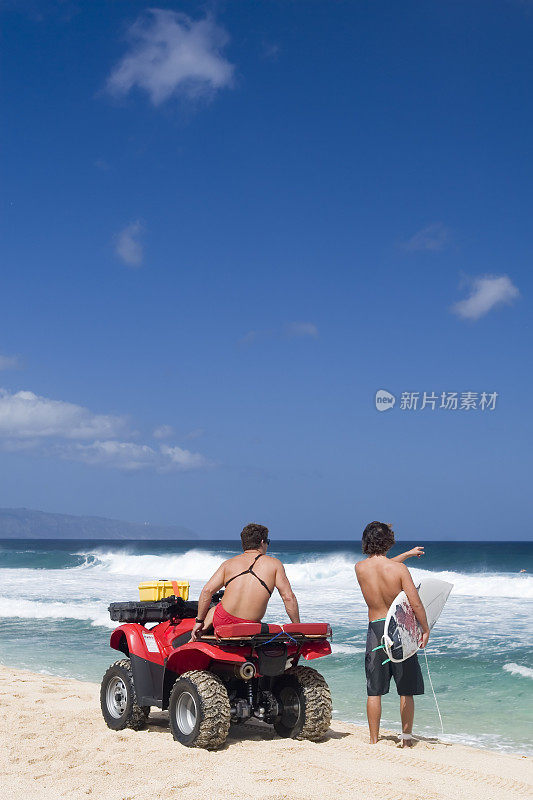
[333, 570]
[325, 585]
[519, 669]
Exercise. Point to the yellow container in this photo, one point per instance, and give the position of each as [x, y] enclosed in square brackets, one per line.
[156, 590]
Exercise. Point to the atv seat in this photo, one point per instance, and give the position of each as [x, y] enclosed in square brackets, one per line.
[314, 630]
[246, 630]
[261, 632]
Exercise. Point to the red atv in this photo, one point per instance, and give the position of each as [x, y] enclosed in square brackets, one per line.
[246, 670]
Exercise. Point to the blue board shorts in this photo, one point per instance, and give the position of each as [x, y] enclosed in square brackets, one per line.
[407, 674]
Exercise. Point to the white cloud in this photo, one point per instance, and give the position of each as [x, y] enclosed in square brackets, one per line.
[121, 455]
[131, 457]
[182, 459]
[9, 362]
[432, 239]
[163, 432]
[487, 292]
[28, 415]
[301, 329]
[128, 247]
[171, 54]
[33, 424]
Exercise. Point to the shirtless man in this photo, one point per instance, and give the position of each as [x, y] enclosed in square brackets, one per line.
[249, 578]
[381, 579]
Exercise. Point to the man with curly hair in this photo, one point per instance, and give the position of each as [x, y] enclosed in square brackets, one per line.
[253, 576]
[381, 579]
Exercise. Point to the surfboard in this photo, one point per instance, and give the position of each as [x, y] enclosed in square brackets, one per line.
[403, 634]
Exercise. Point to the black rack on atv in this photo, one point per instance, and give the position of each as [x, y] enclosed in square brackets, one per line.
[169, 608]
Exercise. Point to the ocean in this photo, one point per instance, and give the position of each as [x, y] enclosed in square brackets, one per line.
[53, 619]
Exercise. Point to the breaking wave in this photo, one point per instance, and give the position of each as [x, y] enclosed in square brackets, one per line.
[518, 669]
[335, 570]
[192, 565]
[95, 613]
[325, 584]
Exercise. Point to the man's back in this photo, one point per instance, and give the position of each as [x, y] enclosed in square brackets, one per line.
[249, 580]
[380, 580]
[246, 596]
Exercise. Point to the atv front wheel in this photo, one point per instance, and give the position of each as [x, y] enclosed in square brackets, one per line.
[199, 710]
[304, 701]
[118, 700]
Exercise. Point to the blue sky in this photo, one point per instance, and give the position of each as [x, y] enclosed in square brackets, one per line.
[226, 226]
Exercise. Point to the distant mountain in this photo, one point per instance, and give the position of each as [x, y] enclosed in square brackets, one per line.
[24, 523]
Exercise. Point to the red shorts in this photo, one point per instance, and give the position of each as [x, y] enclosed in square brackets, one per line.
[221, 617]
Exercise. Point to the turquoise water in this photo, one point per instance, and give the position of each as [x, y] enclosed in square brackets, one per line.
[53, 618]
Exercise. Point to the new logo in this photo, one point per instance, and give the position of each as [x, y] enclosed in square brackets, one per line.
[384, 400]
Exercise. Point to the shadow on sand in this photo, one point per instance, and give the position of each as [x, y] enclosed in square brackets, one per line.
[415, 740]
[250, 731]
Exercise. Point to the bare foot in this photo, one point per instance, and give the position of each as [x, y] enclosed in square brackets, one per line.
[406, 743]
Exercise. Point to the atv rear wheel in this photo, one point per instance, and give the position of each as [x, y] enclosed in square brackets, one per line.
[305, 706]
[199, 710]
[118, 700]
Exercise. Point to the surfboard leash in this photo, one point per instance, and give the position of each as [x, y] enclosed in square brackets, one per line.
[433, 690]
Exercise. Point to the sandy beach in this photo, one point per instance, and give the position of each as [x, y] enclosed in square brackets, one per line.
[54, 744]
